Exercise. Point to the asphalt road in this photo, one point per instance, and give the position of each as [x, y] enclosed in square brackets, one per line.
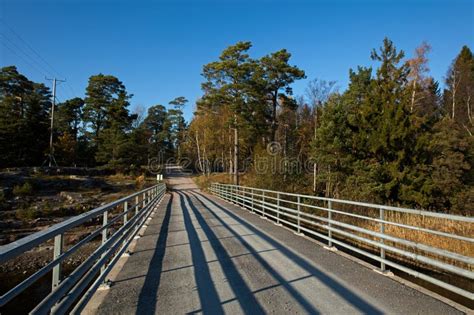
[202, 255]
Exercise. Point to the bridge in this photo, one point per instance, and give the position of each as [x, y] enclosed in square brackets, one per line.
[194, 252]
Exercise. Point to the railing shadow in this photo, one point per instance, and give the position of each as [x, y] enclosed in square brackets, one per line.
[244, 295]
[148, 293]
[307, 305]
[206, 289]
[337, 287]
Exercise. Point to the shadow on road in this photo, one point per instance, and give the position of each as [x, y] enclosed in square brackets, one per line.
[196, 210]
[338, 288]
[149, 291]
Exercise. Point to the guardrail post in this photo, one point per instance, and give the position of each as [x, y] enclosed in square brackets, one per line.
[278, 208]
[143, 200]
[125, 209]
[251, 196]
[237, 197]
[329, 223]
[382, 231]
[58, 250]
[137, 203]
[104, 235]
[263, 205]
[299, 214]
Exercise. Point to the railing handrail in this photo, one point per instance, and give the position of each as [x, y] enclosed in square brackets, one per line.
[63, 290]
[13, 249]
[366, 204]
[271, 205]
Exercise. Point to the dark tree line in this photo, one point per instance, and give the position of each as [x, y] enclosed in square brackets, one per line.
[391, 137]
[98, 130]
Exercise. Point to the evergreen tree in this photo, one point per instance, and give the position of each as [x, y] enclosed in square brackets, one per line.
[178, 122]
[278, 74]
[459, 94]
[107, 115]
[158, 125]
[24, 119]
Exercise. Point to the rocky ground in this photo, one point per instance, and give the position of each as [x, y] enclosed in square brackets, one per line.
[47, 200]
[32, 200]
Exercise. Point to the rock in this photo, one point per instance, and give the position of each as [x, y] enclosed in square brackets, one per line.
[71, 197]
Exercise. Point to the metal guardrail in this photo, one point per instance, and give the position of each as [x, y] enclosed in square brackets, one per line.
[117, 232]
[331, 221]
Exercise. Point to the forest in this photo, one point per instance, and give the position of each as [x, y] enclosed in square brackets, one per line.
[393, 136]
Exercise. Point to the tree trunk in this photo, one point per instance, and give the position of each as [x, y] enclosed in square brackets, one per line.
[314, 177]
[315, 166]
[199, 151]
[236, 156]
[274, 114]
[413, 93]
[454, 95]
[469, 116]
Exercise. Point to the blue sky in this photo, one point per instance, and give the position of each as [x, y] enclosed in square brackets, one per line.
[158, 48]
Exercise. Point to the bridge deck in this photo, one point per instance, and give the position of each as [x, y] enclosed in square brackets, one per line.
[200, 254]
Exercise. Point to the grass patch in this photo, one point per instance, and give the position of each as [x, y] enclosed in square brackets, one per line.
[28, 214]
[23, 190]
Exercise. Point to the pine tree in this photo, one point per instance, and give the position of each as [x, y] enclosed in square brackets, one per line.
[459, 94]
[106, 111]
[24, 119]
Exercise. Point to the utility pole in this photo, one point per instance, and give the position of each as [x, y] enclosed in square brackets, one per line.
[51, 158]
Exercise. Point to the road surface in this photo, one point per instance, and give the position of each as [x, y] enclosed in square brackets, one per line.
[200, 254]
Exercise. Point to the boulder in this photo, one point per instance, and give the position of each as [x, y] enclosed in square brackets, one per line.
[71, 197]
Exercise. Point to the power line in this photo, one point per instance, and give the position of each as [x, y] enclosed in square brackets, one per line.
[26, 54]
[21, 57]
[38, 55]
[29, 46]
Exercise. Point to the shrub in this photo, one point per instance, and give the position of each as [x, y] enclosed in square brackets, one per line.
[28, 214]
[140, 181]
[23, 190]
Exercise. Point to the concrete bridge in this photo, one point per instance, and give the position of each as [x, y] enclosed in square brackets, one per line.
[199, 254]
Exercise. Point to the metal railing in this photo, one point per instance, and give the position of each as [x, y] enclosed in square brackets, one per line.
[384, 234]
[120, 223]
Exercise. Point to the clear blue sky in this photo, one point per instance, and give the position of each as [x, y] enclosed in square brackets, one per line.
[158, 48]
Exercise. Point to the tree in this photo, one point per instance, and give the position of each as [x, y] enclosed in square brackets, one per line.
[106, 103]
[278, 74]
[24, 119]
[68, 129]
[106, 110]
[158, 126]
[228, 84]
[318, 92]
[459, 94]
[178, 122]
[70, 116]
[451, 169]
[418, 66]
